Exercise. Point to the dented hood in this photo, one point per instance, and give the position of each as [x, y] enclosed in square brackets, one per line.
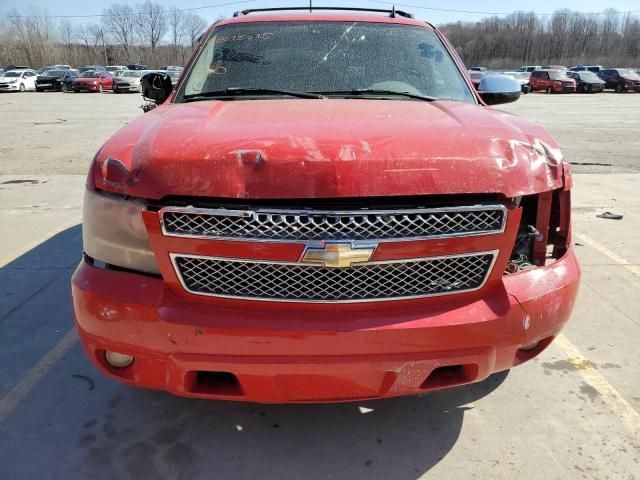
[327, 148]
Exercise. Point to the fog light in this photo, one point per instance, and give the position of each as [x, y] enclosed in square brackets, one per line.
[531, 346]
[118, 360]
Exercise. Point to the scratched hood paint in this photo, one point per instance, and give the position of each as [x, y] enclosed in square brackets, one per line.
[330, 148]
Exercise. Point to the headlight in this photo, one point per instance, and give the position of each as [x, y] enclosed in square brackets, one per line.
[12, 81]
[113, 232]
[95, 82]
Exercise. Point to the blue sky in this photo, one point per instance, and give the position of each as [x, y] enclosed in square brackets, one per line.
[81, 7]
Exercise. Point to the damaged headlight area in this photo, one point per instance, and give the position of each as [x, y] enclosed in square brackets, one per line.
[114, 234]
[544, 233]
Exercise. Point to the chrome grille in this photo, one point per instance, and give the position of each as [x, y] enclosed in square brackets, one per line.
[301, 225]
[373, 281]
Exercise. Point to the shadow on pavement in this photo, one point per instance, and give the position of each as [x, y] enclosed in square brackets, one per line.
[85, 426]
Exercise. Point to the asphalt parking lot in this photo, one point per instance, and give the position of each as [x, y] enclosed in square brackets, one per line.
[572, 413]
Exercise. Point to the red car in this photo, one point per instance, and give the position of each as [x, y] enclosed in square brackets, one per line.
[323, 209]
[93, 81]
[551, 81]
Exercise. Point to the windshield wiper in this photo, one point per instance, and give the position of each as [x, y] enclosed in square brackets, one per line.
[377, 92]
[243, 91]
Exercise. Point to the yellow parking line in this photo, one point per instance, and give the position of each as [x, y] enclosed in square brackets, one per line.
[635, 269]
[30, 246]
[11, 400]
[589, 373]
[595, 379]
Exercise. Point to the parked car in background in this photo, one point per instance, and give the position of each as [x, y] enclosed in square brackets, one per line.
[50, 80]
[620, 79]
[590, 68]
[18, 80]
[86, 68]
[553, 67]
[66, 82]
[114, 68]
[528, 68]
[93, 81]
[40, 71]
[135, 66]
[7, 68]
[478, 69]
[476, 77]
[551, 81]
[522, 78]
[174, 75]
[129, 81]
[587, 81]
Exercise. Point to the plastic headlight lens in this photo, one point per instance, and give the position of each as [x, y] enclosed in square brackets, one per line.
[114, 233]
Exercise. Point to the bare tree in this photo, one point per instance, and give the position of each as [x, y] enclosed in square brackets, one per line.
[119, 22]
[195, 26]
[151, 24]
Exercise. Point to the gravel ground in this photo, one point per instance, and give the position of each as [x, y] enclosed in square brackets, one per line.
[63, 131]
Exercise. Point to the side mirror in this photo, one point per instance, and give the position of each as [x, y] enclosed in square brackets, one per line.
[497, 89]
[156, 86]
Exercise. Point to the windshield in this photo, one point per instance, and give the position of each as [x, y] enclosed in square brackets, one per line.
[132, 73]
[326, 57]
[53, 73]
[625, 72]
[11, 74]
[589, 77]
[90, 74]
[557, 75]
[518, 75]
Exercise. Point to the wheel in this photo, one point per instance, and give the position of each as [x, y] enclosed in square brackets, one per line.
[526, 89]
[63, 87]
[580, 88]
[549, 89]
[58, 87]
[22, 88]
[115, 89]
[620, 88]
[39, 89]
[76, 90]
[100, 89]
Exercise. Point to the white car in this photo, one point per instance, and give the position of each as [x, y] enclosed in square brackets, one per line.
[129, 81]
[115, 68]
[18, 80]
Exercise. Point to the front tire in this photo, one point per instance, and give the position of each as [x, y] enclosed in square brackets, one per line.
[64, 88]
[619, 88]
[22, 87]
[100, 89]
[549, 90]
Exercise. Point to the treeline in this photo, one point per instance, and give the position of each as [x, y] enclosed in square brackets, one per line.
[564, 38]
[150, 34]
[146, 34]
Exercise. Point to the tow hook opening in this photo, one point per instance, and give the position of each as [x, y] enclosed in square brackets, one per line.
[213, 383]
[450, 375]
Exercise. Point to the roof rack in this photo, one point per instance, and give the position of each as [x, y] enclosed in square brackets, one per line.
[392, 13]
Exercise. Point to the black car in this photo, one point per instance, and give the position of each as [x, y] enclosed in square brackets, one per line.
[620, 79]
[50, 80]
[67, 80]
[586, 81]
[135, 66]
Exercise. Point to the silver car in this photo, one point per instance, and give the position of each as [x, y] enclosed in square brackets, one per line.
[129, 81]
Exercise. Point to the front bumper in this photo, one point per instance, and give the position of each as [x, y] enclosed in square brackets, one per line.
[126, 87]
[564, 88]
[291, 353]
[86, 87]
[9, 87]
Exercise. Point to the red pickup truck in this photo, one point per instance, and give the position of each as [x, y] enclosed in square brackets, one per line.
[323, 209]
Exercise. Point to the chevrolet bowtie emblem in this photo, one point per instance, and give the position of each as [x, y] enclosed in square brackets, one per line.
[337, 255]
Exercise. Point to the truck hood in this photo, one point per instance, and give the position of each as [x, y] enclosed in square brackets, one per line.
[300, 148]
